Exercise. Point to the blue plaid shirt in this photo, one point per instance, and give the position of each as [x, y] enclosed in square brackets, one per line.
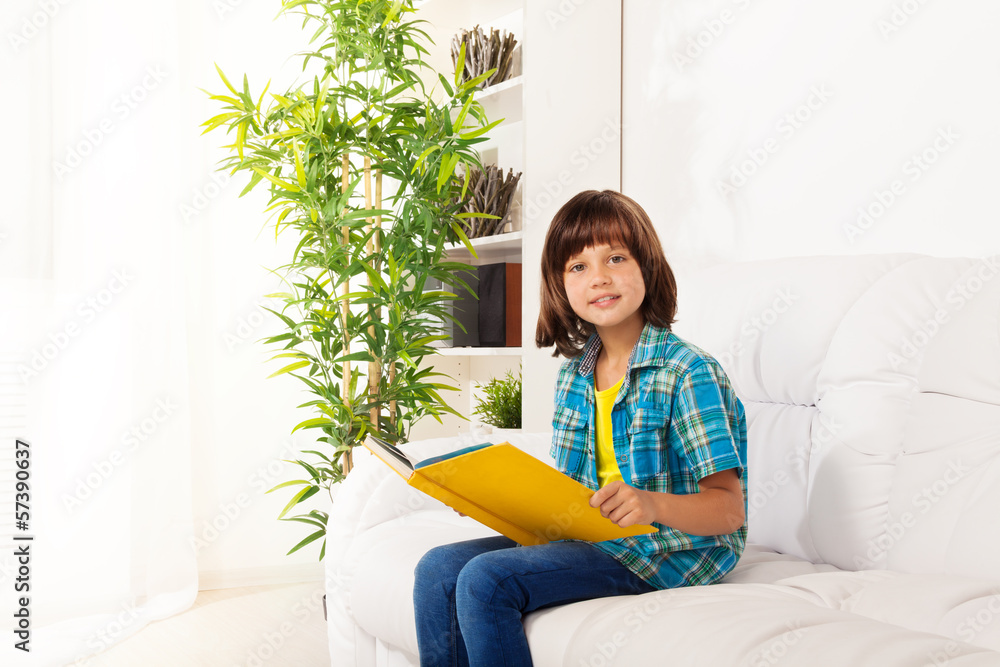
[676, 420]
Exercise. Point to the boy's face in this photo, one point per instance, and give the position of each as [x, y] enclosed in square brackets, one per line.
[604, 286]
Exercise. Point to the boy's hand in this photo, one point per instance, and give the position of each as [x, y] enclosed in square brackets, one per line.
[716, 509]
[624, 504]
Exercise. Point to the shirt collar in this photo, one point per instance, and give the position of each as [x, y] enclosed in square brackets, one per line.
[643, 353]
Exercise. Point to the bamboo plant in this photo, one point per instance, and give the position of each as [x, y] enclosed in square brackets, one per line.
[365, 169]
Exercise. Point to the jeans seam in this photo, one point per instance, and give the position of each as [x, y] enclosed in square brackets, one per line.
[492, 602]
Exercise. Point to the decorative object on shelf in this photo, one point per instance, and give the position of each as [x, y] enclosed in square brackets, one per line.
[500, 305]
[463, 327]
[493, 55]
[500, 404]
[489, 193]
[487, 309]
[358, 320]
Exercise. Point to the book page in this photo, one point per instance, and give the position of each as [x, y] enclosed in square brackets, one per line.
[390, 455]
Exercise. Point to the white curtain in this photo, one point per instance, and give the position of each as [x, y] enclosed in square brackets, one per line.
[125, 263]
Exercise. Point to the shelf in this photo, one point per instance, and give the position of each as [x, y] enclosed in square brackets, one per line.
[491, 249]
[479, 351]
[503, 100]
[497, 88]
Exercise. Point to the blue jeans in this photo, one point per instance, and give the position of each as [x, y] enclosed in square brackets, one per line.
[469, 597]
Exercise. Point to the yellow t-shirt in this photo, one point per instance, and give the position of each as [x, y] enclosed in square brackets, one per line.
[607, 466]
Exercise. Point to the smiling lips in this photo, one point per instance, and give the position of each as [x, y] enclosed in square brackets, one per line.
[604, 300]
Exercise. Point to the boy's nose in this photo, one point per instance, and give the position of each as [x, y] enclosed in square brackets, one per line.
[601, 277]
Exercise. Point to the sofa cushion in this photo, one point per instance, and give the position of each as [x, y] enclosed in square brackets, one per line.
[751, 625]
[873, 404]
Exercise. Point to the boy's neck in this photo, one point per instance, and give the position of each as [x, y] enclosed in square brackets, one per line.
[617, 343]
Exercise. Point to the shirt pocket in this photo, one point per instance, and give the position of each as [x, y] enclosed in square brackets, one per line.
[649, 433]
[570, 442]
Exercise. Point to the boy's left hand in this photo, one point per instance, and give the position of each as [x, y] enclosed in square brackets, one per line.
[624, 504]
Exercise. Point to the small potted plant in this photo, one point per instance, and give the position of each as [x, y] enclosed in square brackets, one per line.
[499, 406]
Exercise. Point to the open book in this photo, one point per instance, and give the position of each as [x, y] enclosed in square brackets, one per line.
[508, 490]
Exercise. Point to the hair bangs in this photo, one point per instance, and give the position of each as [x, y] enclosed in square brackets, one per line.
[592, 223]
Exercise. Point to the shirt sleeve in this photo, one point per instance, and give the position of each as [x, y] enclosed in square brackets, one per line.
[707, 419]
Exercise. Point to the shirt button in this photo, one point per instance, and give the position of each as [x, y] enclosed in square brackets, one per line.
[624, 459]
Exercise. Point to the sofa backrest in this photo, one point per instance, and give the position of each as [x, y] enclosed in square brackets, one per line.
[872, 390]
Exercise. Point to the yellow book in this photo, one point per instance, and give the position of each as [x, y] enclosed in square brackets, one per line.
[508, 490]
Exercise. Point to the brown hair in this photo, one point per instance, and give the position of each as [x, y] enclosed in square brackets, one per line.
[588, 219]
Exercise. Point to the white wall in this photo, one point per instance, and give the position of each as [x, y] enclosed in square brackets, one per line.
[573, 134]
[240, 419]
[808, 112]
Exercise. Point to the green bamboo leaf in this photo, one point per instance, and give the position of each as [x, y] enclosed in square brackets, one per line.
[302, 519]
[460, 66]
[280, 337]
[291, 483]
[423, 156]
[446, 171]
[313, 423]
[296, 354]
[225, 80]
[241, 136]
[255, 178]
[312, 471]
[465, 184]
[460, 119]
[277, 181]
[289, 368]
[474, 83]
[355, 356]
[260, 100]
[216, 121]
[480, 131]
[284, 134]
[457, 229]
[282, 100]
[312, 538]
[224, 98]
[444, 82]
[298, 498]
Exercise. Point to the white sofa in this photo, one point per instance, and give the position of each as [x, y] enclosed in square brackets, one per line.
[872, 390]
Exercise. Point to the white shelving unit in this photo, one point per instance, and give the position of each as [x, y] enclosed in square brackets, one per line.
[489, 250]
[480, 351]
[468, 366]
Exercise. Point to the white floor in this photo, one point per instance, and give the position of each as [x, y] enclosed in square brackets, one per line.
[248, 627]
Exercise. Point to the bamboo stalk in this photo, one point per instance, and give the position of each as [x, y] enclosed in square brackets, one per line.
[373, 366]
[378, 262]
[392, 404]
[378, 254]
[345, 183]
